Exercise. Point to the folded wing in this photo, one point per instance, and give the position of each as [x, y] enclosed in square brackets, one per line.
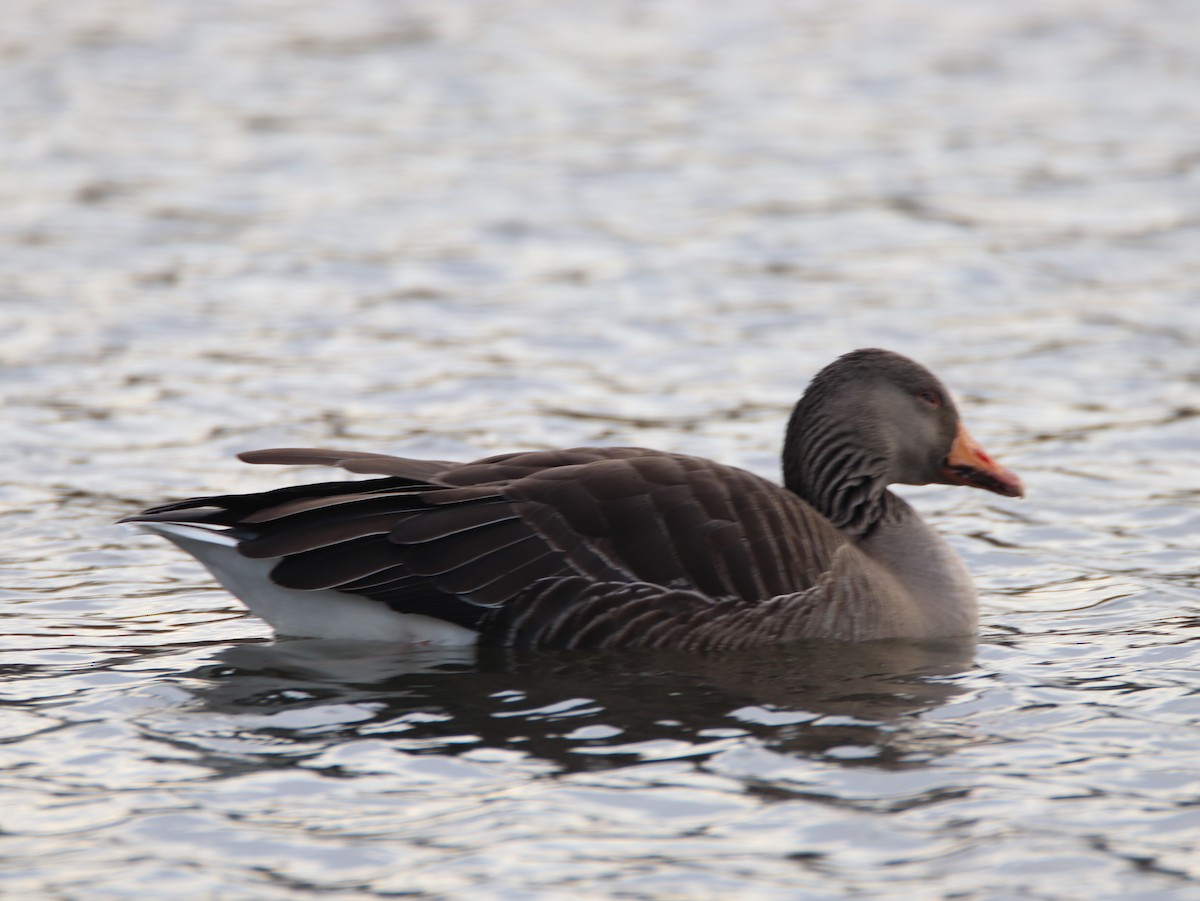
[463, 542]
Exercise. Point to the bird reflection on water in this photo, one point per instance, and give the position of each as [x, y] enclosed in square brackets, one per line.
[589, 711]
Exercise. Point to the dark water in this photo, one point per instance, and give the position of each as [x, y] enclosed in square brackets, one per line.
[456, 229]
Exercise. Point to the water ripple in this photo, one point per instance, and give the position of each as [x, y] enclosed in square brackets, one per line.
[456, 229]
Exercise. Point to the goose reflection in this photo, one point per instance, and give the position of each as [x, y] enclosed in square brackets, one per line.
[578, 710]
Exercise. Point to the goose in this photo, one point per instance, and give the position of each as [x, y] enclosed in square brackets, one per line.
[619, 547]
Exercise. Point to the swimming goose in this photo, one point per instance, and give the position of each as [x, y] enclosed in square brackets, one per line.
[619, 546]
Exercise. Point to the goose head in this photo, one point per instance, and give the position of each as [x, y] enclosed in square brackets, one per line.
[873, 418]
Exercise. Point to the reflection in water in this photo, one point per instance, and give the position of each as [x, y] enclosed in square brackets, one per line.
[583, 710]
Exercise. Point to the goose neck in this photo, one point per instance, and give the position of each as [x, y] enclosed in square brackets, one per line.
[830, 468]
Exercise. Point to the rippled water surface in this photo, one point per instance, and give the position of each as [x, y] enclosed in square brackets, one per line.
[450, 229]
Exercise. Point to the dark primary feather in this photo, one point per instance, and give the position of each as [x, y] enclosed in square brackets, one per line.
[502, 543]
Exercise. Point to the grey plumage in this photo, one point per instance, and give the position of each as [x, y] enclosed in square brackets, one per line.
[629, 547]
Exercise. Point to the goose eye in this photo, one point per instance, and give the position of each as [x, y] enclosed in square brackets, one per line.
[930, 399]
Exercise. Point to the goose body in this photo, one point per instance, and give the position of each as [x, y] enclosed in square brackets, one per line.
[619, 546]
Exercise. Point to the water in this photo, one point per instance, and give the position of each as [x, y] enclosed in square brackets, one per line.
[456, 229]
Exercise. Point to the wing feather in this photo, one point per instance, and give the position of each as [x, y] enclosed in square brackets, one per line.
[588, 547]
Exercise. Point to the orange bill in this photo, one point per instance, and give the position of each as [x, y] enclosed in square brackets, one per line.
[969, 464]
